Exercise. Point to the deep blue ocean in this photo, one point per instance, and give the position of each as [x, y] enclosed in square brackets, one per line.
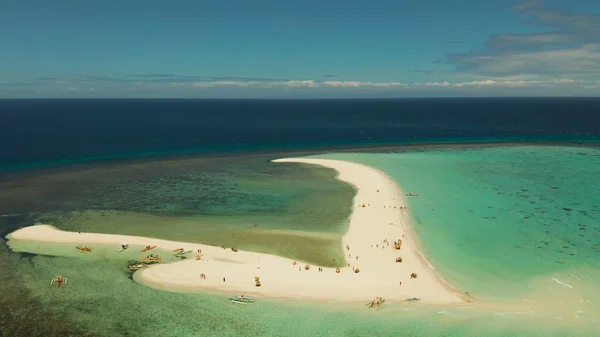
[34, 132]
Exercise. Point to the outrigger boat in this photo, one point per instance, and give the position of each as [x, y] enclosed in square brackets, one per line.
[58, 281]
[83, 248]
[124, 247]
[178, 251]
[138, 266]
[377, 303]
[414, 299]
[182, 254]
[148, 248]
[151, 259]
[241, 299]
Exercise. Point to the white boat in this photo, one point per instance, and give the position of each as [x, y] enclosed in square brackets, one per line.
[58, 281]
[137, 266]
[124, 247]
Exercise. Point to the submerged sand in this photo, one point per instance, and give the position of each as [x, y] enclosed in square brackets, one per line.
[378, 215]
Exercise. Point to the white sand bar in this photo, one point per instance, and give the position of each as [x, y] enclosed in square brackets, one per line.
[381, 218]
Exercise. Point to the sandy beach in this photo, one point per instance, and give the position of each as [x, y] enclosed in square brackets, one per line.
[378, 215]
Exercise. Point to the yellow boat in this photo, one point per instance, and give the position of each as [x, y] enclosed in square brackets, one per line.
[83, 249]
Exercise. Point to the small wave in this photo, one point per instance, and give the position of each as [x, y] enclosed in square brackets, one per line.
[575, 277]
[514, 313]
[562, 283]
[8, 215]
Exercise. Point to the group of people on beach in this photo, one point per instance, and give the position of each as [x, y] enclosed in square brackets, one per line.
[385, 243]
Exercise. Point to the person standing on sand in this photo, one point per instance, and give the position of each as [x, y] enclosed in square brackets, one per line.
[223, 279]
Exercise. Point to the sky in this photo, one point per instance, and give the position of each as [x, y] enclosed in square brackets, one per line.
[298, 49]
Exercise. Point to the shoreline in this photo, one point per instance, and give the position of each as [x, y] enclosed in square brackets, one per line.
[281, 279]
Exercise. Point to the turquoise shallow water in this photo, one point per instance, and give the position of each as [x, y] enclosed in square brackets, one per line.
[494, 221]
[102, 298]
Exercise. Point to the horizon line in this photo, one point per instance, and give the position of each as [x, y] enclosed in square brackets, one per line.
[292, 99]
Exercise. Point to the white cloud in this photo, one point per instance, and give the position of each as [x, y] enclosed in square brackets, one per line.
[311, 84]
[527, 4]
[513, 85]
[500, 83]
[298, 84]
[567, 46]
[583, 62]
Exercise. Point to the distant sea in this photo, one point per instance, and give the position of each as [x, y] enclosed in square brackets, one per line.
[40, 132]
[497, 220]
